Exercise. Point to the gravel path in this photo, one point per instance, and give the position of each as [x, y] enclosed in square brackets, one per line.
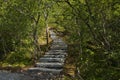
[5, 75]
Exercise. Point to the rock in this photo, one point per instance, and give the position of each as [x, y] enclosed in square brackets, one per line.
[54, 56]
[50, 65]
[55, 53]
[45, 70]
[52, 60]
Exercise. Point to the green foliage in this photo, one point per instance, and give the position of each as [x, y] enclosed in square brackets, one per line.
[90, 27]
[19, 56]
[93, 26]
[21, 24]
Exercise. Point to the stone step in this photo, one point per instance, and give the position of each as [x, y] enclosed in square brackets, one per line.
[57, 40]
[53, 37]
[50, 65]
[59, 45]
[58, 48]
[52, 60]
[56, 53]
[60, 51]
[45, 70]
[52, 33]
[54, 56]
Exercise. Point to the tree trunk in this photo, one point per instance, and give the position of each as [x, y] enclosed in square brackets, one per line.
[37, 49]
[47, 34]
[4, 46]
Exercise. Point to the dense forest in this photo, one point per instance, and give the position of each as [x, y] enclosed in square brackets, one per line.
[91, 28]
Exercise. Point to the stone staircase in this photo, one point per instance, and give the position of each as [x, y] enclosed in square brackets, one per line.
[50, 66]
